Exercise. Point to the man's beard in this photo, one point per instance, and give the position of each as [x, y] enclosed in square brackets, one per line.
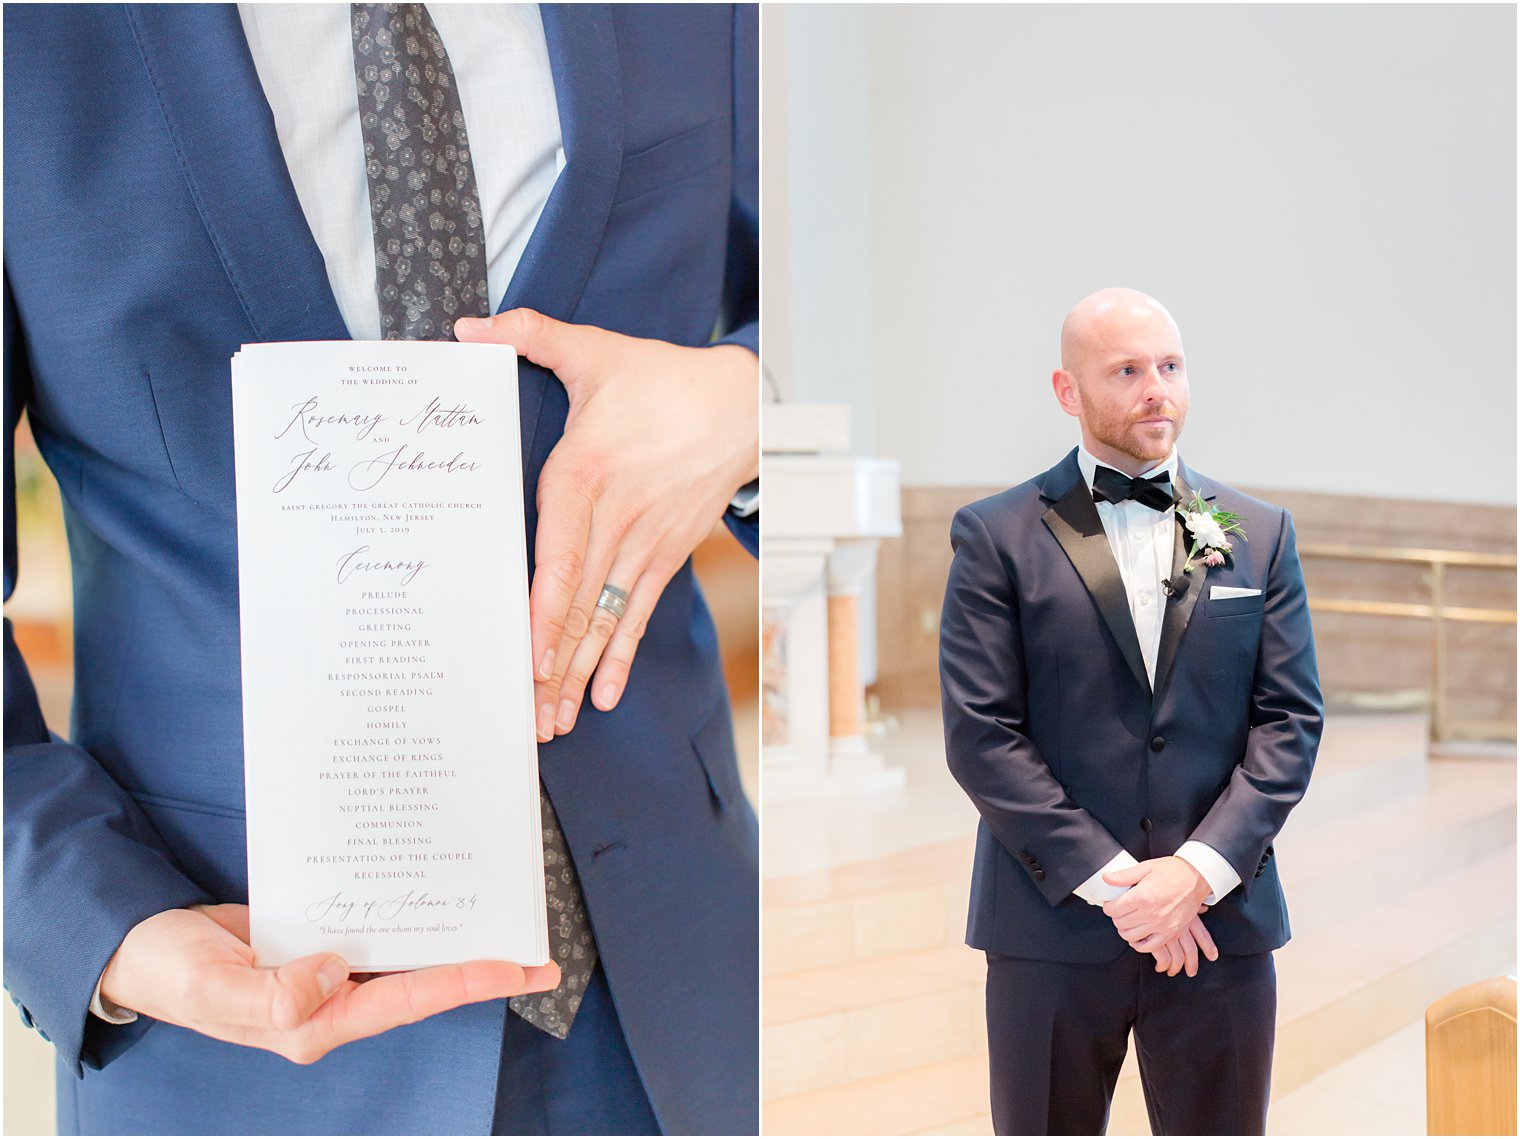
[1124, 436]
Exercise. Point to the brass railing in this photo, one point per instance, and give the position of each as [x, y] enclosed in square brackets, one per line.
[1436, 611]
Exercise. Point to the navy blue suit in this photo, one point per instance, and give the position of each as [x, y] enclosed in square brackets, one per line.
[150, 229]
[1053, 728]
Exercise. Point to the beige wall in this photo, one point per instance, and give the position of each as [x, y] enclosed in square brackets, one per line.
[1362, 660]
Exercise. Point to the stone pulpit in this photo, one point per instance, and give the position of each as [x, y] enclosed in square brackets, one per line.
[824, 514]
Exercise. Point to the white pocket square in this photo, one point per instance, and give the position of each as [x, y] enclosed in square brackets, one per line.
[1221, 592]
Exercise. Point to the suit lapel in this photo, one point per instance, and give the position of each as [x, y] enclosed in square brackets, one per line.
[589, 94]
[214, 107]
[1074, 522]
[557, 262]
[1187, 588]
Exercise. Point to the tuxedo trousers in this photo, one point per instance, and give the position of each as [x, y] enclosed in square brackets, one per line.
[585, 1084]
[1058, 1032]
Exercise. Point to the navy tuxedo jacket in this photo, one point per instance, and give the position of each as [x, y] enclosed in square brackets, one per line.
[150, 229]
[1053, 729]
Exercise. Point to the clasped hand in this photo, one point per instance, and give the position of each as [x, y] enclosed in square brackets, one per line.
[657, 441]
[1160, 913]
[195, 968]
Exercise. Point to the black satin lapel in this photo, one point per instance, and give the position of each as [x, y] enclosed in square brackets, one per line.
[1075, 523]
[1182, 599]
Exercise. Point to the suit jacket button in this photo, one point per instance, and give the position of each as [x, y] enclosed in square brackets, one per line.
[1157, 743]
[1038, 875]
[1145, 825]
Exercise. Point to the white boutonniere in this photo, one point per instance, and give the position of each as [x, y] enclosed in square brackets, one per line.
[1210, 529]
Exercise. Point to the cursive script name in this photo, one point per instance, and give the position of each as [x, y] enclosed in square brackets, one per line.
[303, 462]
[367, 475]
[433, 415]
[306, 416]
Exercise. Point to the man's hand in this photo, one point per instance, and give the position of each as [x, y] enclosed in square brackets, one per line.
[1182, 954]
[1165, 897]
[657, 441]
[194, 968]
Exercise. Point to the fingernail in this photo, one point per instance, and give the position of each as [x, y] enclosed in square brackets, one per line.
[470, 324]
[333, 973]
[566, 718]
[546, 721]
[608, 697]
[546, 666]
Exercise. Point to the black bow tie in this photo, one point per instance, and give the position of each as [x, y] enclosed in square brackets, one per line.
[1110, 485]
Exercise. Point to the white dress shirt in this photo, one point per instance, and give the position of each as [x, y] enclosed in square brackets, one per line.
[1142, 540]
[303, 54]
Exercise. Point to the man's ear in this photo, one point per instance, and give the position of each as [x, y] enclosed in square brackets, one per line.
[1065, 386]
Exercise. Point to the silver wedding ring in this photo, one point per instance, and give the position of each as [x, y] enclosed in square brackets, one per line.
[614, 600]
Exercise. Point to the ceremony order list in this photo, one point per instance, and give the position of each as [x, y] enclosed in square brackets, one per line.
[389, 749]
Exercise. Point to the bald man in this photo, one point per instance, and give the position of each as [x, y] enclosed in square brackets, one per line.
[1131, 701]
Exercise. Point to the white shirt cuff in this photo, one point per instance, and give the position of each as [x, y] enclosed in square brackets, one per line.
[108, 1012]
[1095, 891]
[747, 500]
[1218, 873]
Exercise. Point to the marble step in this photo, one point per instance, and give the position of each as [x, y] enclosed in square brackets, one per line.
[948, 1097]
[1364, 761]
[1466, 813]
[1379, 1091]
[837, 1025]
[913, 900]
[1386, 962]
[897, 1063]
[916, 899]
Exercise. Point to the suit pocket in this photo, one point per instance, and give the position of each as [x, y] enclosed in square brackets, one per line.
[209, 842]
[713, 743]
[194, 414]
[1235, 606]
[673, 159]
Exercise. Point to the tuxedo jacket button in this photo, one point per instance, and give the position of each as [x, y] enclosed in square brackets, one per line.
[1145, 825]
[1157, 743]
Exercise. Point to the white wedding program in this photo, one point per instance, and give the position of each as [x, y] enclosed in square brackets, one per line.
[389, 749]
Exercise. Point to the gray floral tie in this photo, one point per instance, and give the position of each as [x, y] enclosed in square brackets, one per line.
[570, 941]
[430, 269]
[430, 258]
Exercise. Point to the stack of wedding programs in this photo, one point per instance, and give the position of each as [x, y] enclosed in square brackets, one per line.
[389, 749]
